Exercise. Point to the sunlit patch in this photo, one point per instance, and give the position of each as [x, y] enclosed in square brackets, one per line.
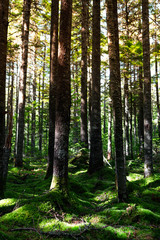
[7, 202]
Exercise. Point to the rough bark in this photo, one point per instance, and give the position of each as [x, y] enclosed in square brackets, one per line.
[96, 153]
[115, 87]
[63, 100]
[3, 52]
[148, 164]
[84, 33]
[53, 80]
[22, 82]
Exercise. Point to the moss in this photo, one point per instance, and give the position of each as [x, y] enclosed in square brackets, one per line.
[92, 199]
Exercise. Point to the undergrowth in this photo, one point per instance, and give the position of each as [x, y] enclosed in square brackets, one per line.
[92, 211]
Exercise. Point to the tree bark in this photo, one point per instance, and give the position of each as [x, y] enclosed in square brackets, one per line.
[84, 33]
[63, 101]
[148, 164]
[3, 52]
[22, 82]
[53, 81]
[115, 87]
[96, 153]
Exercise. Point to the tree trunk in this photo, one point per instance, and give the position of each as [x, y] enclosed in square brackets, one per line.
[84, 33]
[115, 87]
[22, 82]
[3, 48]
[156, 79]
[40, 115]
[63, 100]
[148, 164]
[34, 105]
[109, 149]
[96, 153]
[33, 132]
[53, 82]
[126, 112]
[140, 113]
[28, 118]
[17, 91]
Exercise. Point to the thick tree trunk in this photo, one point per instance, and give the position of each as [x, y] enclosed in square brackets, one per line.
[22, 82]
[96, 153]
[113, 45]
[63, 100]
[148, 164]
[53, 83]
[3, 53]
[84, 33]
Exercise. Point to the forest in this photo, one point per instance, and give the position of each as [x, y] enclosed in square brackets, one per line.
[79, 119]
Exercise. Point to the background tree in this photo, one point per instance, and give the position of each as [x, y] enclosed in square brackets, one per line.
[53, 80]
[148, 164]
[22, 82]
[96, 153]
[84, 33]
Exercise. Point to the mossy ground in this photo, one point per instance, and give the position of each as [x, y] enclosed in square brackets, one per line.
[91, 211]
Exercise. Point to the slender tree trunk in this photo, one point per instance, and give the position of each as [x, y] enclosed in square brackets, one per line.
[39, 116]
[63, 101]
[76, 125]
[148, 164]
[33, 132]
[156, 78]
[126, 112]
[17, 91]
[131, 120]
[140, 114]
[84, 32]
[22, 82]
[109, 151]
[53, 83]
[115, 87]
[28, 119]
[7, 148]
[96, 153]
[3, 49]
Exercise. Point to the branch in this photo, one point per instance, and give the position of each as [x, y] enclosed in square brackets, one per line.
[56, 233]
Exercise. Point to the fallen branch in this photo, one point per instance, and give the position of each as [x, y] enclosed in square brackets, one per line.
[56, 233]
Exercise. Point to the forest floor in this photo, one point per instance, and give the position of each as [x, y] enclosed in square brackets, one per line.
[31, 212]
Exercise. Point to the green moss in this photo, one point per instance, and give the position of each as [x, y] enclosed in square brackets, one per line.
[91, 199]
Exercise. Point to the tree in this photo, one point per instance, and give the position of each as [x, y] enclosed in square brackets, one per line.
[63, 100]
[148, 164]
[84, 32]
[115, 88]
[3, 48]
[22, 82]
[53, 80]
[96, 153]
